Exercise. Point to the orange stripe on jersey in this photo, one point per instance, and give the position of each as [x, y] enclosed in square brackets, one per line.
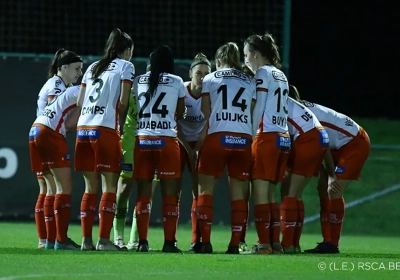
[261, 89]
[292, 122]
[129, 82]
[334, 127]
[205, 93]
[83, 85]
[63, 115]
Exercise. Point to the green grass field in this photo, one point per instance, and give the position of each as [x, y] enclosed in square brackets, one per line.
[369, 245]
[361, 258]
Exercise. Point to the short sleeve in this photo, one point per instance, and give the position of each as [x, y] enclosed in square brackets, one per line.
[182, 90]
[261, 80]
[128, 72]
[205, 88]
[57, 88]
[85, 76]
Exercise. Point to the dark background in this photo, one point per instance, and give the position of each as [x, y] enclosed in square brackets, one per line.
[344, 54]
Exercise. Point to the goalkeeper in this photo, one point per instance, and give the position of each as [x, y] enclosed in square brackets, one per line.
[125, 182]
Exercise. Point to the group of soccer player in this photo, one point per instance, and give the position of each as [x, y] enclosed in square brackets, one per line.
[149, 127]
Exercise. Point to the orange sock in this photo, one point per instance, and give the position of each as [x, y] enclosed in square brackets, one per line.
[194, 220]
[275, 223]
[88, 211]
[239, 213]
[170, 214]
[325, 219]
[262, 219]
[39, 217]
[62, 213]
[299, 223]
[288, 220]
[143, 208]
[48, 209]
[107, 210]
[244, 231]
[336, 208]
[205, 216]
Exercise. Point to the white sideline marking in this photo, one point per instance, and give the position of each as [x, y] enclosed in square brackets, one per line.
[358, 201]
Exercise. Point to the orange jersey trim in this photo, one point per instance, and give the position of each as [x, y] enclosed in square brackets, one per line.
[61, 121]
[129, 82]
[292, 122]
[334, 127]
[261, 89]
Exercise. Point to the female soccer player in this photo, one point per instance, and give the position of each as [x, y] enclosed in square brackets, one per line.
[160, 101]
[189, 129]
[309, 144]
[230, 94]
[125, 182]
[65, 69]
[103, 100]
[349, 148]
[49, 153]
[272, 142]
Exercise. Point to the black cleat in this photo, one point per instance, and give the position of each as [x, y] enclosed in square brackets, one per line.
[143, 246]
[232, 250]
[323, 248]
[196, 247]
[206, 248]
[170, 247]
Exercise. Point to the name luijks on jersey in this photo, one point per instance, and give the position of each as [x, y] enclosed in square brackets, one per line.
[232, 117]
[153, 125]
[94, 110]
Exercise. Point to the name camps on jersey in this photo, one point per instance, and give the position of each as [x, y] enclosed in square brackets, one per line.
[156, 111]
[231, 93]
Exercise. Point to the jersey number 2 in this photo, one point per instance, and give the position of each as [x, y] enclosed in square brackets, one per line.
[235, 101]
[154, 110]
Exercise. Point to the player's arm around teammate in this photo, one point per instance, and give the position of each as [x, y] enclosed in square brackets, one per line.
[160, 101]
[189, 129]
[349, 148]
[309, 144]
[65, 69]
[229, 93]
[103, 100]
[271, 142]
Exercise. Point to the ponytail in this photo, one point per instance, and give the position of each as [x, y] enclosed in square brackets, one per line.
[117, 43]
[294, 93]
[161, 61]
[53, 68]
[229, 55]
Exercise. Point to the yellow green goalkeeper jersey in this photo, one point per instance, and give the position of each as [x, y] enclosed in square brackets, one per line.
[131, 118]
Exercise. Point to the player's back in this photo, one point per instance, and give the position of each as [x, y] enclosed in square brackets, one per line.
[156, 110]
[273, 82]
[52, 87]
[300, 118]
[340, 128]
[100, 105]
[58, 109]
[231, 94]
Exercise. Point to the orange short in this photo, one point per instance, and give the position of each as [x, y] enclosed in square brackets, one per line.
[98, 149]
[307, 153]
[270, 154]
[221, 149]
[184, 156]
[350, 158]
[159, 153]
[48, 149]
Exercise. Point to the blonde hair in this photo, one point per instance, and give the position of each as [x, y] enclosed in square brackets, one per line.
[248, 71]
[229, 54]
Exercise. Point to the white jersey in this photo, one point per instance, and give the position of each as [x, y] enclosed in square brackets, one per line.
[58, 110]
[231, 94]
[340, 128]
[52, 87]
[301, 119]
[156, 113]
[193, 122]
[270, 112]
[100, 106]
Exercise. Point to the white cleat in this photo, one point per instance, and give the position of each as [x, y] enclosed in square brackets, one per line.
[119, 242]
[107, 245]
[133, 245]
